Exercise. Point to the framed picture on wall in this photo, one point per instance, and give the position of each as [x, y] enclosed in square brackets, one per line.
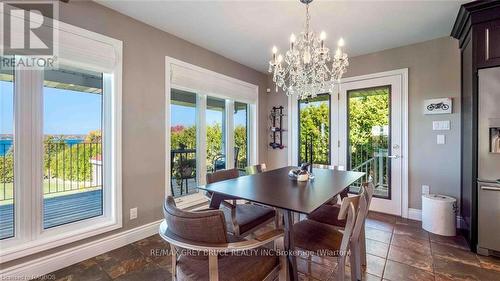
[438, 106]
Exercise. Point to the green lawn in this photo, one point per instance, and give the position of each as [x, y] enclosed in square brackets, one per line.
[52, 188]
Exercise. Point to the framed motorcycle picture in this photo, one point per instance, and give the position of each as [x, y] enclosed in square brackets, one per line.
[438, 106]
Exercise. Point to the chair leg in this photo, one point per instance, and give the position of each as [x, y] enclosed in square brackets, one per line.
[213, 267]
[277, 219]
[340, 268]
[362, 237]
[174, 263]
[355, 260]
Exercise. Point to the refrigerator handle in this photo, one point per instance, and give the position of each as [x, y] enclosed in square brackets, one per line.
[491, 188]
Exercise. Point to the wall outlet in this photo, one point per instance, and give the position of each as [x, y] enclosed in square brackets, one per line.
[133, 213]
[425, 189]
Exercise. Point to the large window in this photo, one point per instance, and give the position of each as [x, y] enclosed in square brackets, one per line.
[314, 127]
[6, 154]
[210, 125]
[72, 160]
[60, 146]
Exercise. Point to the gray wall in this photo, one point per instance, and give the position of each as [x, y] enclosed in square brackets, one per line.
[434, 72]
[144, 51]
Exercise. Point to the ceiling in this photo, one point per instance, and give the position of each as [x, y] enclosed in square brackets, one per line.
[245, 31]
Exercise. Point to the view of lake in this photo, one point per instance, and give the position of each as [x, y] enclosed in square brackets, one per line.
[6, 144]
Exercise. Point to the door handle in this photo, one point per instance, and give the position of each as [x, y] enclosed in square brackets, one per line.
[492, 188]
[393, 156]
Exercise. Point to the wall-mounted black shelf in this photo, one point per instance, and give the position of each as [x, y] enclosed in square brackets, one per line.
[276, 128]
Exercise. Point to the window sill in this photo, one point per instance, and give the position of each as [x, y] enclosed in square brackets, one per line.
[94, 227]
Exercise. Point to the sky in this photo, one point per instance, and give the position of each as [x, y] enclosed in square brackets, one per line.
[65, 112]
[77, 113]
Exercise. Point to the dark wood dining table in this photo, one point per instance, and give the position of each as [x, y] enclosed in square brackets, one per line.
[274, 188]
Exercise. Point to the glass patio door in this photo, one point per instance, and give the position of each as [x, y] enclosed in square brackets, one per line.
[370, 137]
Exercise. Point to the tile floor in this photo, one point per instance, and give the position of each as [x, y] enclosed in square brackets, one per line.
[397, 250]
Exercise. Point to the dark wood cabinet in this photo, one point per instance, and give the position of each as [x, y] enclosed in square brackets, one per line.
[488, 44]
[477, 27]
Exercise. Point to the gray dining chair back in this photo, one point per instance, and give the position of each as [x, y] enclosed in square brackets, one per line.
[256, 169]
[203, 235]
[222, 175]
[203, 227]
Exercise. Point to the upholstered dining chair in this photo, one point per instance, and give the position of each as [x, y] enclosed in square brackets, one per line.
[255, 169]
[242, 219]
[329, 214]
[203, 250]
[323, 239]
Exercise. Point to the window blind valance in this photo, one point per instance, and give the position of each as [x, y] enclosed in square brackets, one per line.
[195, 78]
[71, 44]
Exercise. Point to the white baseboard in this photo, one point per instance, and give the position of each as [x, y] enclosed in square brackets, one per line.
[416, 214]
[53, 262]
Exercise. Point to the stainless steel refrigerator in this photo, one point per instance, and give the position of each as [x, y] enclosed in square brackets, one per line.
[489, 161]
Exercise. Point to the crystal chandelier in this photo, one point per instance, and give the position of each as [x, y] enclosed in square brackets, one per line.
[309, 69]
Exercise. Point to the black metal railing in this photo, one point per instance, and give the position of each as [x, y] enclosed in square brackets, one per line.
[182, 169]
[70, 167]
[66, 167]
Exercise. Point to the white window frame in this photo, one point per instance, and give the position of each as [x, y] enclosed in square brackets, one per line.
[30, 236]
[218, 86]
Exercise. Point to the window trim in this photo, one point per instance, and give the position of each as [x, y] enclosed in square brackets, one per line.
[30, 237]
[234, 89]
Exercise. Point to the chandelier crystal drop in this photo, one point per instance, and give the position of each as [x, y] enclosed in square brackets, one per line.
[307, 68]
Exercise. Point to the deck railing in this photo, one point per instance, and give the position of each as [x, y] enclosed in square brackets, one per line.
[375, 169]
[67, 167]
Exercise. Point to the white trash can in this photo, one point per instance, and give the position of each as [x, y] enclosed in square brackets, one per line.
[439, 214]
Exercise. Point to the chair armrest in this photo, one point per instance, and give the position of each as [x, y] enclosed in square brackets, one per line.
[233, 247]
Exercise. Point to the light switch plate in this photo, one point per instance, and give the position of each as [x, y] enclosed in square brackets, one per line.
[441, 139]
[441, 125]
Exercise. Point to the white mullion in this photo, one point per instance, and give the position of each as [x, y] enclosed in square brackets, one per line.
[22, 155]
[229, 134]
[293, 131]
[337, 141]
[37, 150]
[201, 138]
[168, 134]
[253, 143]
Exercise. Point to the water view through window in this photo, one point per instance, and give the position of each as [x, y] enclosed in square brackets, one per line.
[73, 156]
[6, 154]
